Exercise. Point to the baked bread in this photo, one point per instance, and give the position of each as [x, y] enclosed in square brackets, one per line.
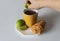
[38, 27]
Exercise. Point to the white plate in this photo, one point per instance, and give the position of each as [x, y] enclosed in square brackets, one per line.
[26, 33]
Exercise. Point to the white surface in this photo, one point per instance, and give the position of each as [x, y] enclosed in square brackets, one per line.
[11, 11]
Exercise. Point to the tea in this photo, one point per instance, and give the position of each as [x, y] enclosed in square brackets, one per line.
[29, 12]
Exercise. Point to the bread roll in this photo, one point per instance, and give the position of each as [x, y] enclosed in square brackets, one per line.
[38, 27]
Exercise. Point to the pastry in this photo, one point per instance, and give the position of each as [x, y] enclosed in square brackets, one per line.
[38, 27]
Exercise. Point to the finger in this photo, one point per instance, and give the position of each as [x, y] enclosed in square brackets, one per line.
[25, 1]
[34, 6]
[33, 1]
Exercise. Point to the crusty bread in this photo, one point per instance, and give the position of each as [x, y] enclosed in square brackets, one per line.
[38, 27]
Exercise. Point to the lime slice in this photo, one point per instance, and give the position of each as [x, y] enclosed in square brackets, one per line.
[27, 5]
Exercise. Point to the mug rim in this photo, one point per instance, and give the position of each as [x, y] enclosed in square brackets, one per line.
[33, 14]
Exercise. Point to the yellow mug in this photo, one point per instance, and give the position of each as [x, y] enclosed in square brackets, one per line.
[30, 19]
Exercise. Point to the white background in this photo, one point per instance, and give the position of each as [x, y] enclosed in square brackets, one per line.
[11, 11]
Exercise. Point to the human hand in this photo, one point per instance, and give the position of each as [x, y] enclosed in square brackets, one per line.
[35, 4]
